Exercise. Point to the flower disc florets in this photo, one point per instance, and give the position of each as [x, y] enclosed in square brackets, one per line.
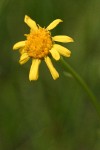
[38, 43]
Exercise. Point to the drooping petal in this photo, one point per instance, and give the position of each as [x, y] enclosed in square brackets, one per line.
[24, 58]
[31, 23]
[55, 54]
[62, 50]
[62, 38]
[33, 75]
[54, 24]
[19, 45]
[53, 71]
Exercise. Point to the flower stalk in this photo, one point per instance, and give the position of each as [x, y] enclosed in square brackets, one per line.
[83, 84]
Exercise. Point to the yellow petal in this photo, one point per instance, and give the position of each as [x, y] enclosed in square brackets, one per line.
[53, 71]
[53, 24]
[22, 50]
[19, 45]
[55, 54]
[31, 23]
[62, 50]
[33, 75]
[24, 58]
[62, 38]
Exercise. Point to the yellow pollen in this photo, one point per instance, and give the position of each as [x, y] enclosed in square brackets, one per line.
[38, 43]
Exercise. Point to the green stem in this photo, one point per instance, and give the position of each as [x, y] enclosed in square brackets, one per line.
[83, 84]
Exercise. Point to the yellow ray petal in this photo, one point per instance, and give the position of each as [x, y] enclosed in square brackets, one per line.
[19, 45]
[62, 38]
[62, 50]
[31, 23]
[22, 50]
[33, 75]
[53, 24]
[24, 58]
[55, 54]
[53, 71]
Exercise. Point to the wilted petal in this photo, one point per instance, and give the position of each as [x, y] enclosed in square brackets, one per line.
[53, 71]
[31, 23]
[24, 58]
[62, 50]
[33, 75]
[62, 38]
[19, 45]
[55, 54]
[53, 24]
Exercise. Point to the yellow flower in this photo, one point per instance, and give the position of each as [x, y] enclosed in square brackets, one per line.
[39, 45]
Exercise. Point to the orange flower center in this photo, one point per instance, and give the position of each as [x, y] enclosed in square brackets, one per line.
[38, 43]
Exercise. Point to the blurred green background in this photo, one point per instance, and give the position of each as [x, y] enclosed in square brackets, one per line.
[48, 114]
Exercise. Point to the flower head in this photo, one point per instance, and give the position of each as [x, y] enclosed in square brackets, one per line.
[39, 45]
